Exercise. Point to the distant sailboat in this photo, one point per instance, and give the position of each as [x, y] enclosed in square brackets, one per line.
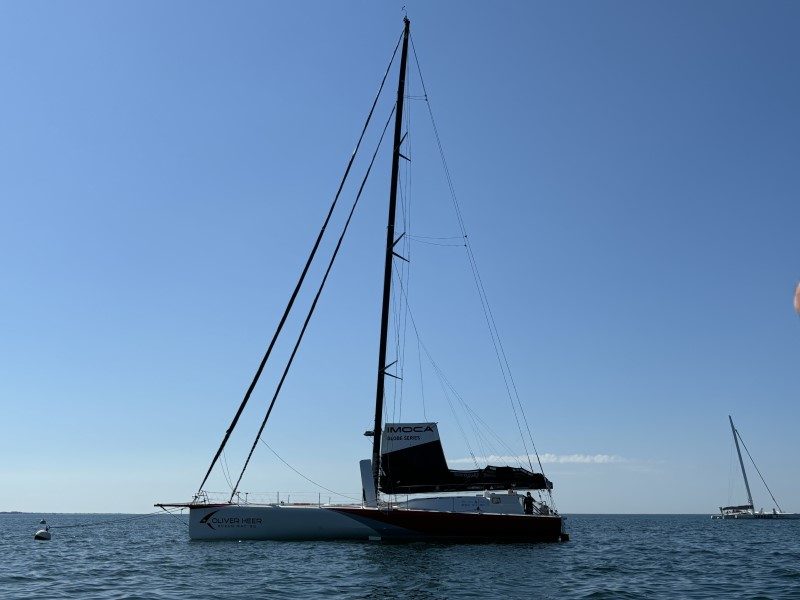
[748, 511]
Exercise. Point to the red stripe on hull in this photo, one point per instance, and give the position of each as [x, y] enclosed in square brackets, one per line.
[433, 525]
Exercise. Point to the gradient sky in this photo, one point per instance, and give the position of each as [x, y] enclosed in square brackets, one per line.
[628, 173]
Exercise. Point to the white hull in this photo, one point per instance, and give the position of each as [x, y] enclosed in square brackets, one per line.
[354, 522]
[273, 522]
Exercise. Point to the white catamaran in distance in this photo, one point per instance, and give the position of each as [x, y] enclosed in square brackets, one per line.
[407, 462]
[748, 511]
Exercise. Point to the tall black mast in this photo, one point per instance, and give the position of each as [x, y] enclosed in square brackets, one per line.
[741, 464]
[387, 274]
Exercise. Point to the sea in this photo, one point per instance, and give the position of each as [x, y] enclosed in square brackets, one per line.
[608, 556]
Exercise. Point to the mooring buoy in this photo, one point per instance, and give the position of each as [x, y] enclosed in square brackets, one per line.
[43, 533]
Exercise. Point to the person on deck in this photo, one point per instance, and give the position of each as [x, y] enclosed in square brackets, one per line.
[527, 504]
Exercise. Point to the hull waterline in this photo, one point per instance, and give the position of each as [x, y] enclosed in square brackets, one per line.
[757, 516]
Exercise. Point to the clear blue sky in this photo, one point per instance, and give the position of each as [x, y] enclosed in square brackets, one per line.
[628, 172]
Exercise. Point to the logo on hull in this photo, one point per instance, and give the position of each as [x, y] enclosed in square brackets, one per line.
[207, 517]
[230, 522]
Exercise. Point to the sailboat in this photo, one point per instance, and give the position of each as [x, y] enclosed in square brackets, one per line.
[407, 462]
[748, 511]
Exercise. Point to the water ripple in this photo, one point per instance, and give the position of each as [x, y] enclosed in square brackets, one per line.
[620, 557]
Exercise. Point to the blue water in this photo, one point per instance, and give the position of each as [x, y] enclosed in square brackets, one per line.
[619, 556]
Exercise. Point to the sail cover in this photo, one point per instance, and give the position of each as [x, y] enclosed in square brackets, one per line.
[412, 462]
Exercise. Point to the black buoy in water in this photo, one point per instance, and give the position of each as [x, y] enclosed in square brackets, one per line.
[43, 533]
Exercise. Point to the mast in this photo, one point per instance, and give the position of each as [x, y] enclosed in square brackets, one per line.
[387, 273]
[741, 462]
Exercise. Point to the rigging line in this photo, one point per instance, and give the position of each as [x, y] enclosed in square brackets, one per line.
[730, 473]
[401, 355]
[455, 417]
[479, 283]
[473, 265]
[402, 323]
[445, 382]
[510, 452]
[421, 381]
[299, 284]
[404, 189]
[440, 375]
[508, 369]
[404, 288]
[311, 481]
[432, 237]
[437, 243]
[474, 424]
[403, 345]
[493, 334]
[397, 309]
[436, 134]
[393, 308]
[396, 303]
[474, 415]
[313, 305]
[487, 449]
[494, 338]
[399, 346]
[172, 514]
[759, 472]
[443, 378]
[395, 383]
[226, 470]
[408, 247]
[390, 408]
